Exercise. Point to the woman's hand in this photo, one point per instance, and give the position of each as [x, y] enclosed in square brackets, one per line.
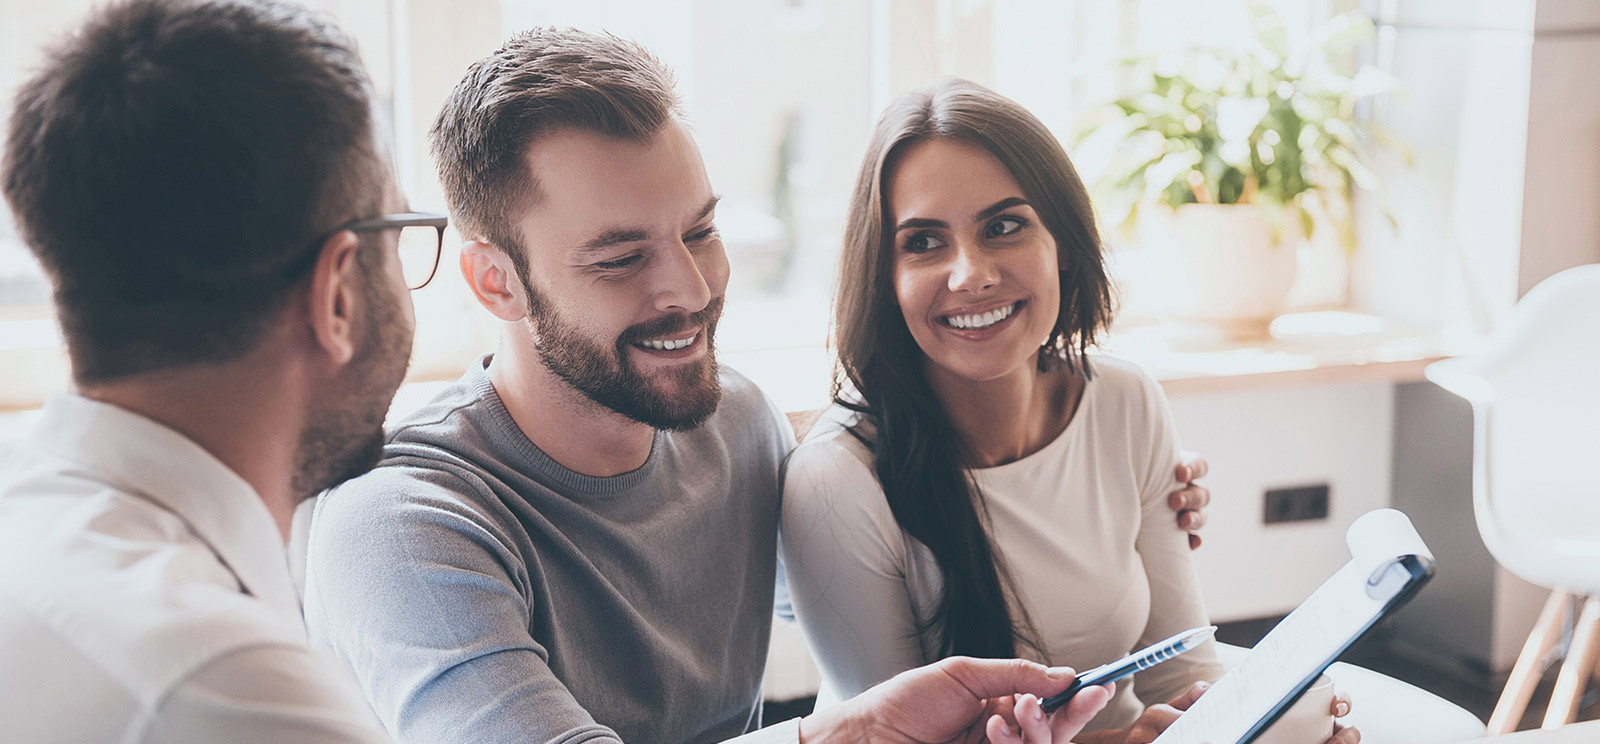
[1025, 722]
[1156, 718]
[1343, 734]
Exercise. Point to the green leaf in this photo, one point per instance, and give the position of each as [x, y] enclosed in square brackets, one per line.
[1170, 171]
[1387, 139]
[1371, 81]
[1358, 171]
[1269, 31]
[1342, 32]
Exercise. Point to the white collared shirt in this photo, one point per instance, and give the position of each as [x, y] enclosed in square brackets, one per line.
[145, 596]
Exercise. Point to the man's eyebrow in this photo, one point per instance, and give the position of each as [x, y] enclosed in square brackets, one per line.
[983, 214]
[611, 238]
[618, 236]
[711, 204]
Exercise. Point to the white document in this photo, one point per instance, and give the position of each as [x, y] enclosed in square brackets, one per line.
[1388, 563]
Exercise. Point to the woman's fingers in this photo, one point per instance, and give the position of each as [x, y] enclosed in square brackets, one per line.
[1189, 696]
[1065, 723]
[1341, 705]
[1028, 724]
[1345, 735]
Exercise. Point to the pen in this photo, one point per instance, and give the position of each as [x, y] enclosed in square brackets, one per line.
[1137, 661]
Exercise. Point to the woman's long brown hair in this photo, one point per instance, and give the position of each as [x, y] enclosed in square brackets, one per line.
[919, 457]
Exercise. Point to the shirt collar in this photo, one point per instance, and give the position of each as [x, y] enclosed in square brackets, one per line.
[140, 456]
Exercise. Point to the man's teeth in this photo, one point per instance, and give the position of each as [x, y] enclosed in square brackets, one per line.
[981, 320]
[669, 344]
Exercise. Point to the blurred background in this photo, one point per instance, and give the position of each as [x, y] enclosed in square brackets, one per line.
[1452, 157]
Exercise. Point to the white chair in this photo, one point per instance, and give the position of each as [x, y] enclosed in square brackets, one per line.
[1535, 395]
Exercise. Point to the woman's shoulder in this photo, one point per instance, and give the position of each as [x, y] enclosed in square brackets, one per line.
[1122, 379]
[1119, 372]
[830, 478]
[836, 438]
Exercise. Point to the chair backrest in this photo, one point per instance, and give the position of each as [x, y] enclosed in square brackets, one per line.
[1535, 394]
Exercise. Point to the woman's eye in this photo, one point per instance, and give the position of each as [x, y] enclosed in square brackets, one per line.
[922, 243]
[1004, 226]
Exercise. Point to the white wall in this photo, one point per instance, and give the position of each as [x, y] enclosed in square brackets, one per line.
[1561, 225]
[1274, 437]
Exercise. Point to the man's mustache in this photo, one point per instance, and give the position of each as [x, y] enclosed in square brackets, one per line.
[667, 325]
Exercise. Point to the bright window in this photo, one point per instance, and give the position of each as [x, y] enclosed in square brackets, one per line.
[781, 94]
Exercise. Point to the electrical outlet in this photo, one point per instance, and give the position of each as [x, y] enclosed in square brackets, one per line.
[1295, 504]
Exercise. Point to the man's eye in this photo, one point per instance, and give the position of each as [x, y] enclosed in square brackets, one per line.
[922, 243]
[621, 263]
[704, 235]
[1004, 226]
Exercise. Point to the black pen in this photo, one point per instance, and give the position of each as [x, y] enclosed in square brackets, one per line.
[1137, 661]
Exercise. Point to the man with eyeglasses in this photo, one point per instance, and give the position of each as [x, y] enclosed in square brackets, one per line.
[230, 258]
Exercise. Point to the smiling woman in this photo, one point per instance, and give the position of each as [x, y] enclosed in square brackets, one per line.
[981, 486]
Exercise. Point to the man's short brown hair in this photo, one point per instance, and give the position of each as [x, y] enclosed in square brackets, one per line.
[173, 164]
[541, 80]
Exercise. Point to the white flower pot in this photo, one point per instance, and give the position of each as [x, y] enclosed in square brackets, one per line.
[1229, 265]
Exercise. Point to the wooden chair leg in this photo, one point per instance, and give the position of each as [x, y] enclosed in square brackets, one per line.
[1575, 671]
[1525, 675]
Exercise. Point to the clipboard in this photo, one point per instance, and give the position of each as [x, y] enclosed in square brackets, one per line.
[1388, 565]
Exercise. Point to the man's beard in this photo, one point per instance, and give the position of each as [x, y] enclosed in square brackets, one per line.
[344, 436]
[607, 377]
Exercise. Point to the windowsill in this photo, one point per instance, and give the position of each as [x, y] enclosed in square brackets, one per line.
[1311, 348]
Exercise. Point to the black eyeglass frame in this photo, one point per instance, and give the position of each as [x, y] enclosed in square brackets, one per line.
[407, 219]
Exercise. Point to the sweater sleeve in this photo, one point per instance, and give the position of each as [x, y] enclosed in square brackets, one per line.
[846, 559]
[422, 596]
[1175, 602]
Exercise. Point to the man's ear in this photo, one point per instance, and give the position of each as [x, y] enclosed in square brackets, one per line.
[493, 279]
[333, 294]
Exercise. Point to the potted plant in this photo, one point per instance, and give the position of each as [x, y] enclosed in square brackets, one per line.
[1231, 156]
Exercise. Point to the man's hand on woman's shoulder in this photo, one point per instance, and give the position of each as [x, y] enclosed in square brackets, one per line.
[1190, 498]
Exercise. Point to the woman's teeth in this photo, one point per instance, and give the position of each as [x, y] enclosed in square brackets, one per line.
[981, 320]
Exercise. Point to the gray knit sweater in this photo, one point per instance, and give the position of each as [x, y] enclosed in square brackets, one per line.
[484, 593]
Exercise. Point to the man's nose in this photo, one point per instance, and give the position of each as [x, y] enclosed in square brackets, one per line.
[680, 285]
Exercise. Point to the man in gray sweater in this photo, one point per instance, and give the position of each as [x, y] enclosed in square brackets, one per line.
[578, 541]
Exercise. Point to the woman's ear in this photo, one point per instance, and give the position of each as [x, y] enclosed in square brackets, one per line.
[493, 279]
[332, 296]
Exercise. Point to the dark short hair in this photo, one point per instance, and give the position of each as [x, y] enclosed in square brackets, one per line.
[541, 80]
[173, 166]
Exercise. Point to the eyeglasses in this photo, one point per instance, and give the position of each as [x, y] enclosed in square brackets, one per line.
[421, 241]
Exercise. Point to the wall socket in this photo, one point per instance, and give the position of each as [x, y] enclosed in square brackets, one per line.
[1295, 504]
